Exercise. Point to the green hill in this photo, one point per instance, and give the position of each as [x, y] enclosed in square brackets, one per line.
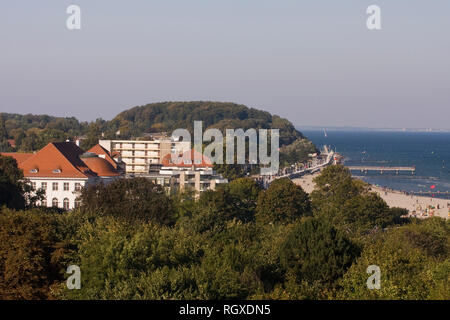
[32, 132]
[168, 116]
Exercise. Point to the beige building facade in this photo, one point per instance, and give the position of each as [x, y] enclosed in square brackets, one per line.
[140, 155]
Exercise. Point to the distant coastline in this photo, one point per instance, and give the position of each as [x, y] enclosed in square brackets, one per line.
[368, 129]
[428, 152]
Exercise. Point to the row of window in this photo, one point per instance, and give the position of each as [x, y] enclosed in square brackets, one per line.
[65, 203]
[186, 161]
[55, 186]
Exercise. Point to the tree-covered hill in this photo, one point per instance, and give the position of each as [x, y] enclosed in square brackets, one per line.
[168, 116]
[32, 132]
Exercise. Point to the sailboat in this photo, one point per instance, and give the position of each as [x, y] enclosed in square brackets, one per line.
[325, 133]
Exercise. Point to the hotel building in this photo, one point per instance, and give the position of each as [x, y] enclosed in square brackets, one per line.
[192, 171]
[140, 155]
[63, 169]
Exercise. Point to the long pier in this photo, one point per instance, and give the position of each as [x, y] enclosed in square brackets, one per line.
[381, 169]
[266, 180]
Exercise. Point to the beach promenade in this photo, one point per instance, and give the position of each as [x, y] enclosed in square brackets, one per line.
[418, 206]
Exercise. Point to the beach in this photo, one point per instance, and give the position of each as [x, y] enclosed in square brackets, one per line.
[418, 206]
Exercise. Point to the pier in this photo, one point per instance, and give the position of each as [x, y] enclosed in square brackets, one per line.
[295, 172]
[382, 169]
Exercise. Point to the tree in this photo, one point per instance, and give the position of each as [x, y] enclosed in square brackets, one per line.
[349, 205]
[12, 187]
[120, 260]
[333, 187]
[129, 199]
[4, 144]
[29, 266]
[315, 252]
[414, 263]
[244, 194]
[94, 134]
[282, 202]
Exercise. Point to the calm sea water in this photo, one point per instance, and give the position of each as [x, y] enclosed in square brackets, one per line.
[428, 152]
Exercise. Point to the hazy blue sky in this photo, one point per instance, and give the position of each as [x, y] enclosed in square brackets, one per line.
[313, 62]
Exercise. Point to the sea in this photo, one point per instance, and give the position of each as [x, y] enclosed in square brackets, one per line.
[429, 152]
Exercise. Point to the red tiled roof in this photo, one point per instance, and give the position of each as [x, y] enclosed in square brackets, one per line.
[58, 160]
[206, 162]
[99, 150]
[20, 157]
[63, 160]
[100, 166]
[12, 142]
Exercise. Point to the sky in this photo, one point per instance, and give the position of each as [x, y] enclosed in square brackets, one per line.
[312, 62]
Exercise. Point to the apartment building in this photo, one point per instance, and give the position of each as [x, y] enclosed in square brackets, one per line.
[138, 156]
[192, 171]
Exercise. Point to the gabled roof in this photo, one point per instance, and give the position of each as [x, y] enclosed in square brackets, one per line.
[99, 150]
[100, 166]
[20, 157]
[58, 160]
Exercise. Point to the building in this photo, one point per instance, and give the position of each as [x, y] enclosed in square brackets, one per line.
[12, 143]
[187, 173]
[192, 171]
[114, 159]
[62, 170]
[139, 156]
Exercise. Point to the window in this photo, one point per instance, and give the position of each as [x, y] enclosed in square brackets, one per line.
[77, 186]
[77, 203]
[57, 171]
[44, 203]
[66, 204]
[33, 185]
[55, 186]
[66, 186]
[44, 185]
[34, 171]
[55, 202]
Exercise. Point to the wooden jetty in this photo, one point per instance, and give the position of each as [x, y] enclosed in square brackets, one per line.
[382, 169]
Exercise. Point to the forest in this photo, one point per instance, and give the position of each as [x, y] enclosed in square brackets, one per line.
[133, 241]
[32, 132]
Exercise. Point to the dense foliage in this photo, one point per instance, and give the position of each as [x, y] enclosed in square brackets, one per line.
[32, 132]
[238, 242]
[15, 192]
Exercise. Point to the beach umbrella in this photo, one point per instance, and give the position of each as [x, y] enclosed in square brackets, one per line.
[432, 187]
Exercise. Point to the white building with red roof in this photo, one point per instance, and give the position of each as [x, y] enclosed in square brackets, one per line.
[62, 169]
[192, 171]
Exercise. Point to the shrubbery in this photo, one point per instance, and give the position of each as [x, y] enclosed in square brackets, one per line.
[132, 241]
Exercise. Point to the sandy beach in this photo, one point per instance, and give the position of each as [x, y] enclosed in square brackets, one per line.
[421, 207]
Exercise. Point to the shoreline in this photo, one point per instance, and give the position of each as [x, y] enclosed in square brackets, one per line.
[417, 206]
